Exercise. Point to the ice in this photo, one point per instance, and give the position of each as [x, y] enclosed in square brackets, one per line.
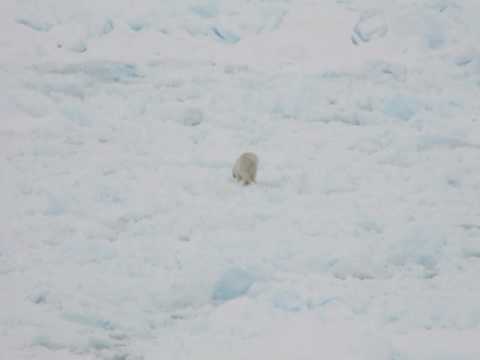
[100, 71]
[464, 59]
[75, 113]
[193, 117]
[470, 246]
[77, 46]
[208, 10]
[90, 321]
[39, 297]
[46, 342]
[288, 301]
[427, 142]
[401, 107]
[370, 26]
[103, 27]
[55, 206]
[232, 284]
[99, 344]
[35, 25]
[421, 245]
[387, 70]
[435, 36]
[225, 35]
[123, 235]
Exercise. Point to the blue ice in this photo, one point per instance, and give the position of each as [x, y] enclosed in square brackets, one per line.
[206, 11]
[35, 25]
[464, 60]
[89, 320]
[288, 301]
[136, 25]
[107, 27]
[401, 107]
[371, 25]
[435, 39]
[225, 35]
[102, 71]
[76, 115]
[429, 141]
[232, 284]
[55, 206]
[422, 245]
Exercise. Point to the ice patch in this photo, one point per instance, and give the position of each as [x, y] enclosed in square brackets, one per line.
[225, 35]
[421, 245]
[464, 59]
[470, 246]
[443, 5]
[370, 26]
[137, 24]
[74, 112]
[35, 24]
[56, 206]
[106, 27]
[39, 297]
[32, 103]
[101, 71]
[206, 11]
[435, 38]
[192, 117]
[47, 342]
[401, 107]
[288, 301]
[427, 142]
[232, 284]
[99, 343]
[78, 46]
[381, 69]
[89, 321]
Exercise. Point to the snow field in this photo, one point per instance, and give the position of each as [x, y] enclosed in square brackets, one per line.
[123, 235]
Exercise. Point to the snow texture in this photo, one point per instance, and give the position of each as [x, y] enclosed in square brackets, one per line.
[124, 237]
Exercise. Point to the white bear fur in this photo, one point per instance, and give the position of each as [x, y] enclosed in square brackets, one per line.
[245, 168]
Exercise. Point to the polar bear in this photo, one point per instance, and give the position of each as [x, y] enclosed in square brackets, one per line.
[245, 168]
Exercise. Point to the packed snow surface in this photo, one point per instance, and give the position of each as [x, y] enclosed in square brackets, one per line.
[124, 237]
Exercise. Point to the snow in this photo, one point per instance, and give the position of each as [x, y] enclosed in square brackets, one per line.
[124, 237]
